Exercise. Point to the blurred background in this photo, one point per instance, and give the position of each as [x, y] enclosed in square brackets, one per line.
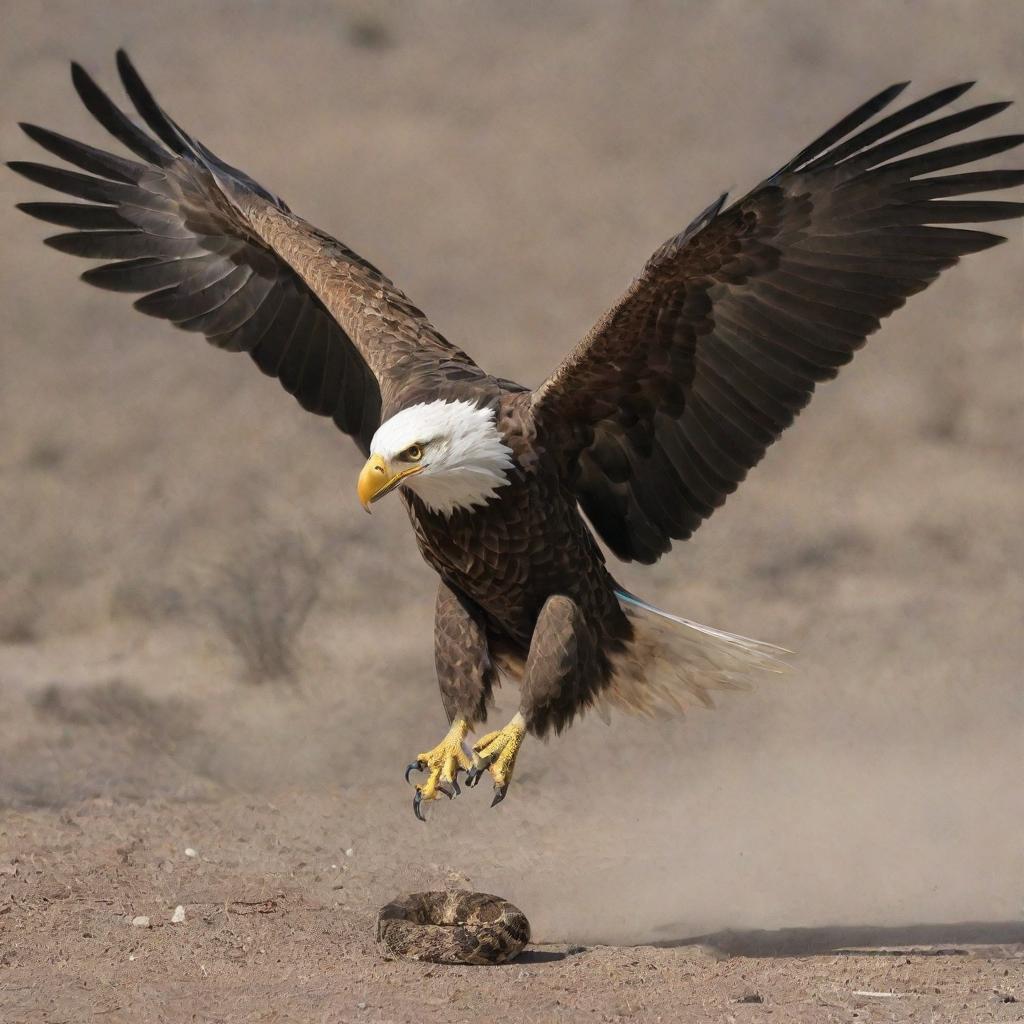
[193, 605]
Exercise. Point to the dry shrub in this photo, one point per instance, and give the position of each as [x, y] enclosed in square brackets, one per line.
[115, 704]
[260, 599]
[146, 599]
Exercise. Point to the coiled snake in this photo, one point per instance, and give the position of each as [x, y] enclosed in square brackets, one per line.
[457, 927]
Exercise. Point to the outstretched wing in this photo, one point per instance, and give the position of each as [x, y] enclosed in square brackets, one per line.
[681, 387]
[217, 253]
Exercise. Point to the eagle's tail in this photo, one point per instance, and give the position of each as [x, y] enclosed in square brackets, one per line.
[672, 663]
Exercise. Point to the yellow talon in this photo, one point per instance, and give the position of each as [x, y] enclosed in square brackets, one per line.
[496, 752]
[442, 765]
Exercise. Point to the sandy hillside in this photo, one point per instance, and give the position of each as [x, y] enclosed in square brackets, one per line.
[511, 166]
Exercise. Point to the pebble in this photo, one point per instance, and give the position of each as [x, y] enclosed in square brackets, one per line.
[189, 852]
[140, 922]
[178, 917]
[750, 996]
[349, 852]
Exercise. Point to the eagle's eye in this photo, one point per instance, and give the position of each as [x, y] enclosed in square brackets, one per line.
[413, 453]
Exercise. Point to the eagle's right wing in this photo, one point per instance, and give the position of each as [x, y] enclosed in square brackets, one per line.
[217, 253]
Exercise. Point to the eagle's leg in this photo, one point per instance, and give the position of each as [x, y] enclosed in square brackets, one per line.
[496, 753]
[550, 691]
[442, 765]
[466, 676]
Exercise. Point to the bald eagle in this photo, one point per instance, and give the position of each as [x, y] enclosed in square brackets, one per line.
[636, 438]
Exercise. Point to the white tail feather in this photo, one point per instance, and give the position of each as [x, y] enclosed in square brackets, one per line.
[672, 662]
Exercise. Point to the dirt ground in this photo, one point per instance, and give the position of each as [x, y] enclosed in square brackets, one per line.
[844, 844]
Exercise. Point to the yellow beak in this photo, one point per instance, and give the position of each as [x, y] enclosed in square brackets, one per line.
[377, 479]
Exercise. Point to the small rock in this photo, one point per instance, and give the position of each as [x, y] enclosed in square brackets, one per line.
[360, 1006]
[750, 997]
[178, 917]
[189, 852]
[349, 852]
[370, 34]
[140, 922]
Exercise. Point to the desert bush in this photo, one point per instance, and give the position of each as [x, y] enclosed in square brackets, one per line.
[119, 706]
[148, 600]
[260, 599]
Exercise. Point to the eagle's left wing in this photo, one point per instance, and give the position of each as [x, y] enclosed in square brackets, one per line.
[681, 387]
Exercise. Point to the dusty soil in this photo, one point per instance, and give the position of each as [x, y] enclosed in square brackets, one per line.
[278, 925]
[808, 852]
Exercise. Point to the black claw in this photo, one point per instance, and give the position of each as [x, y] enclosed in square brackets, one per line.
[416, 808]
[414, 766]
[446, 789]
[473, 776]
[499, 794]
[456, 787]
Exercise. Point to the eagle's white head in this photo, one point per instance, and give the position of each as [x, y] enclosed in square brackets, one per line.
[450, 454]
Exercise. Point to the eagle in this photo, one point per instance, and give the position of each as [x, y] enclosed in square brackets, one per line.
[640, 433]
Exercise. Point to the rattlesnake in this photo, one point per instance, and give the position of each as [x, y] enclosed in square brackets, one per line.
[457, 927]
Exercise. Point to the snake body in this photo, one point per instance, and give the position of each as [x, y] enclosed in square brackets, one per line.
[457, 927]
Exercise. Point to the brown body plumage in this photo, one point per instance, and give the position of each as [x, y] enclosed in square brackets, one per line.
[503, 563]
[646, 426]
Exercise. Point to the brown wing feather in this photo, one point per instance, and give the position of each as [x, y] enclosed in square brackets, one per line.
[217, 253]
[681, 387]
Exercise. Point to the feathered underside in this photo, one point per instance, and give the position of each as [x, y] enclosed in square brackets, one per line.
[718, 344]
